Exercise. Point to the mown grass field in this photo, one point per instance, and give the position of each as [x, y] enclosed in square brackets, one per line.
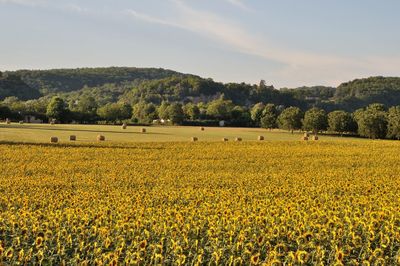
[205, 203]
[87, 133]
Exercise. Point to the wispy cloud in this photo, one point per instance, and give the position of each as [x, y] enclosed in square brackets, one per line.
[216, 27]
[306, 67]
[32, 3]
[75, 8]
[152, 19]
[240, 4]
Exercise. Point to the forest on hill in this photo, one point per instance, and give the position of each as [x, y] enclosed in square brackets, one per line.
[154, 85]
[144, 95]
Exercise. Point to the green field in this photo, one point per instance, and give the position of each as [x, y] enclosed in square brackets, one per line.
[88, 133]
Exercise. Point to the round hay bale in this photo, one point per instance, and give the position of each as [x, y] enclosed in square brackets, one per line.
[53, 139]
[101, 138]
[194, 139]
[306, 134]
[124, 126]
[143, 130]
[260, 138]
[238, 139]
[315, 138]
[202, 129]
[21, 122]
[8, 121]
[304, 138]
[224, 139]
[72, 138]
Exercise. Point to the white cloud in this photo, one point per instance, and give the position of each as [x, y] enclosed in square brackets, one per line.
[240, 4]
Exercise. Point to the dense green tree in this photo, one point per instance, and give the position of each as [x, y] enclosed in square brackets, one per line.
[163, 110]
[144, 112]
[240, 116]
[394, 122]
[220, 109]
[126, 111]
[114, 112]
[256, 112]
[175, 113]
[191, 111]
[340, 121]
[237, 112]
[37, 107]
[15, 105]
[5, 112]
[57, 109]
[315, 120]
[290, 119]
[203, 110]
[372, 122]
[87, 105]
[269, 116]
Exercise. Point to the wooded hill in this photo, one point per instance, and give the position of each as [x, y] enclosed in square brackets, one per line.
[154, 85]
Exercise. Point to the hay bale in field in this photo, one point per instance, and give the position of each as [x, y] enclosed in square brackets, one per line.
[306, 134]
[224, 139]
[101, 138]
[72, 138]
[8, 121]
[143, 130]
[124, 126]
[260, 138]
[202, 129]
[21, 122]
[315, 137]
[304, 138]
[53, 139]
[238, 139]
[194, 139]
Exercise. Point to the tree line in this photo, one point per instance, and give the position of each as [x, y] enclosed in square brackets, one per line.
[375, 121]
[152, 85]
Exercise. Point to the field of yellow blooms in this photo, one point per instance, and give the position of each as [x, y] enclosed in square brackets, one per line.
[272, 203]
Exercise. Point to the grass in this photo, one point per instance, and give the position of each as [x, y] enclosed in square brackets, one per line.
[41, 133]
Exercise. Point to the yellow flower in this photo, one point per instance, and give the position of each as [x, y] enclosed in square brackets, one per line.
[255, 259]
[39, 241]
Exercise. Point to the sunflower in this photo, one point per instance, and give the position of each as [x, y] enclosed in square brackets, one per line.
[339, 254]
[301, 256]
[143, 244]
[255, 259]
[21, 255]
[107, 243]
[9, 253]
[39, 241]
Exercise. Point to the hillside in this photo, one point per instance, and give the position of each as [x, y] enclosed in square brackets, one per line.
[361, 92]
[67, 80]
[12, 85]
[154, 85]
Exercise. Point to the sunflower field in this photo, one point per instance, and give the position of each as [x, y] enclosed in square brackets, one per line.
[248, 203]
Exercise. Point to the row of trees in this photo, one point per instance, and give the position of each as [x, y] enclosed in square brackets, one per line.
[374, 121]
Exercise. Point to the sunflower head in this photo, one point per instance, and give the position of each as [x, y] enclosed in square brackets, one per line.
[255, 259]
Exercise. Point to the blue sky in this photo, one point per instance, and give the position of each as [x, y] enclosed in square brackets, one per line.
[286, 42]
